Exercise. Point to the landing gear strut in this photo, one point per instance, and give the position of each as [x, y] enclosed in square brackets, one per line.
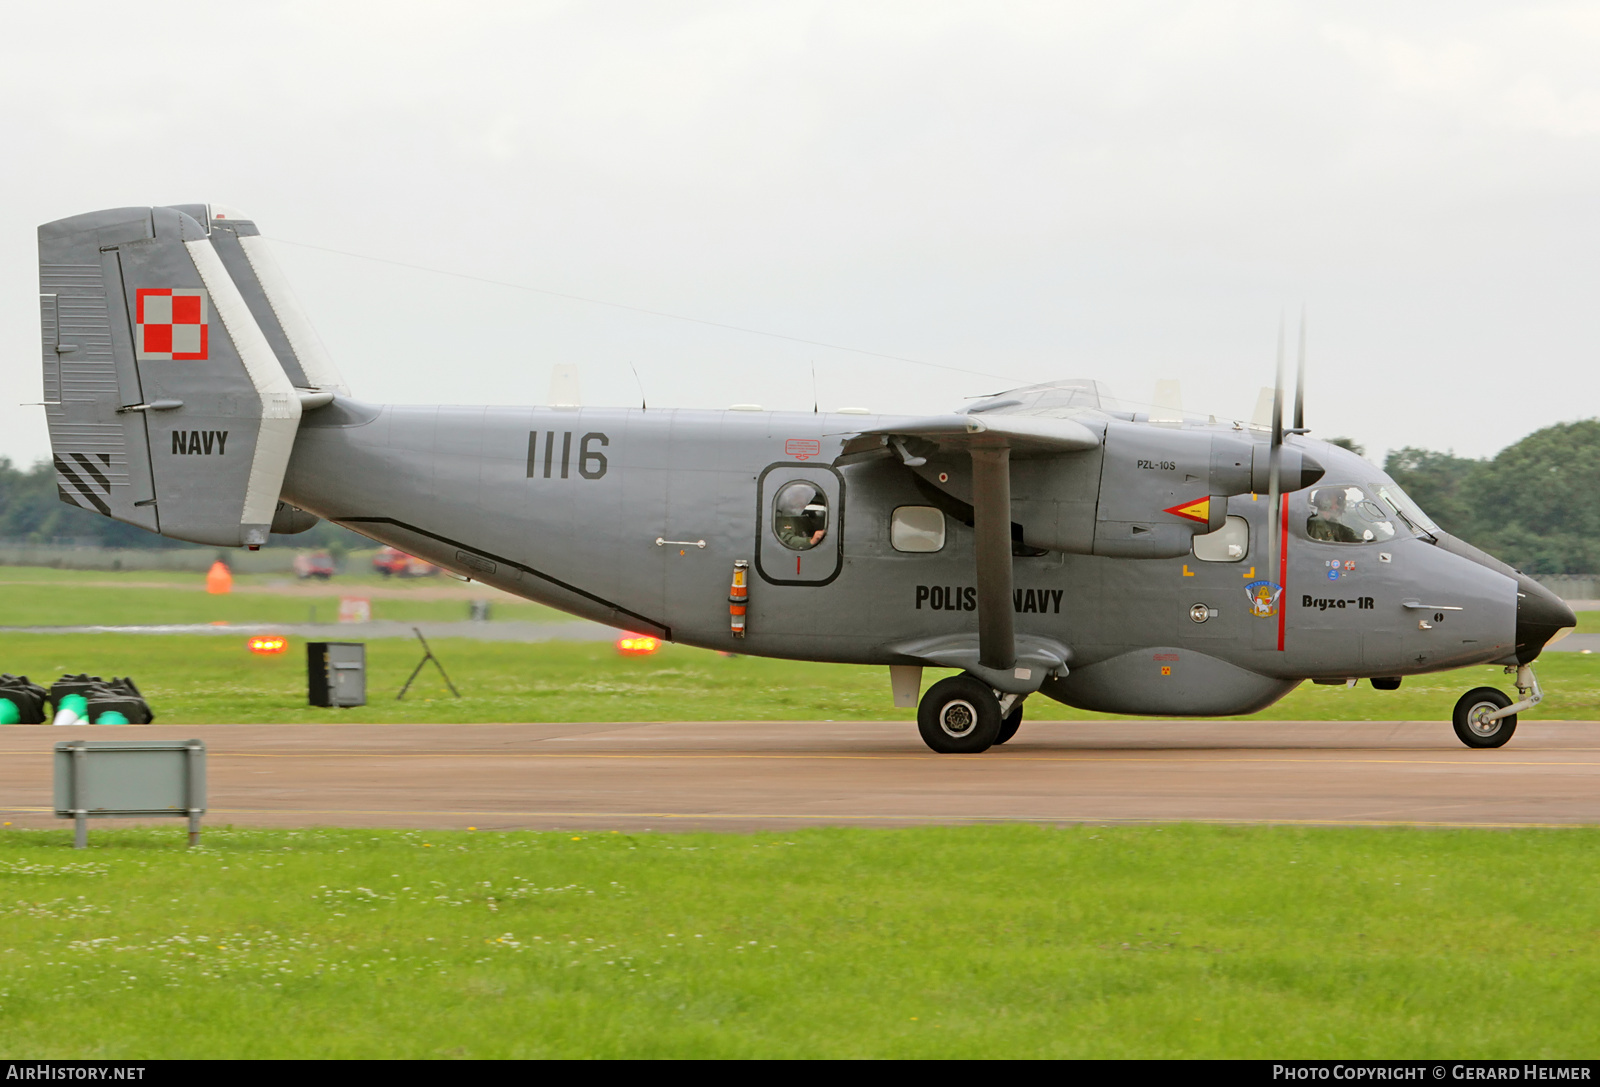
[1010, 721]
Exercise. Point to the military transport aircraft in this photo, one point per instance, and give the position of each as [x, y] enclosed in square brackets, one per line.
[1040, 540]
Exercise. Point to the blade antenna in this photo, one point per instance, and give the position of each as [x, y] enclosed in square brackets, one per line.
[1300, 380]
[816, 401]
[642, 405]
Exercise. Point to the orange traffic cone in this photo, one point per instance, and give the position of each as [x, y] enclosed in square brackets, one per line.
[218, 579]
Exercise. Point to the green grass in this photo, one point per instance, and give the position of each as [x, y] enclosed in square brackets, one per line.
[1012, 941]
[31, 596]
[200, 679]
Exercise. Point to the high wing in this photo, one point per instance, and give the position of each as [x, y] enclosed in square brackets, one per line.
[1028, 433]
[1049, 467]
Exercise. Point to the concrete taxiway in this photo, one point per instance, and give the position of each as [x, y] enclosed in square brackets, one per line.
[753, 775]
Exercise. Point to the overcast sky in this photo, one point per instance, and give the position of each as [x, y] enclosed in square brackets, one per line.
[1130, 191]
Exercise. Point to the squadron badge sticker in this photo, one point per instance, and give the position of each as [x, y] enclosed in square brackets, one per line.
[1264, 597]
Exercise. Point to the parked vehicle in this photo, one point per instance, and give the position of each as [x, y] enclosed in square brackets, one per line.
[392, 562]
[317, 564]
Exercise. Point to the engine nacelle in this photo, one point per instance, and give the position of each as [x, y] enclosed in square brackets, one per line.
[1146, 492]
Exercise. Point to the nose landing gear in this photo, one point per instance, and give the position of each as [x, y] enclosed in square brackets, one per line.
[1485, 717]
[1474, 721]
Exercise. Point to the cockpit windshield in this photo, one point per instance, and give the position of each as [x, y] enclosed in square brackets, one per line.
[1410, 513]
[1344, 514]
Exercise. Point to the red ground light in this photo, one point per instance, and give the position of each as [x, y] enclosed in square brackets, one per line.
[267, 643]
[637, 645]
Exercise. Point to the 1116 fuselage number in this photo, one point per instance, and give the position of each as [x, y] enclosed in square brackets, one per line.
[555, 451]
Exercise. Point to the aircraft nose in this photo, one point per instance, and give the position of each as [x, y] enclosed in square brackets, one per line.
[1541, 614]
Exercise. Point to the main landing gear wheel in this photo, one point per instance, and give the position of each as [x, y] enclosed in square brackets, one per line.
[1009, 725]
[959, 716]
[1472, 718]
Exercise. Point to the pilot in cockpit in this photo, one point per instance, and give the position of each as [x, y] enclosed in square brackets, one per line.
[801, 519]
[1330, 519]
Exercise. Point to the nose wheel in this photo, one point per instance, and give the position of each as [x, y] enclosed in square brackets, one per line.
[1474, 726]
[959, 716]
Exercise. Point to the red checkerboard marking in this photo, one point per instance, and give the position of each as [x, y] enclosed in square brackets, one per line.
[172, 323]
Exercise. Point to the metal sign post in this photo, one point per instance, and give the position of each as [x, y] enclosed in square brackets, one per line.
[100, 778]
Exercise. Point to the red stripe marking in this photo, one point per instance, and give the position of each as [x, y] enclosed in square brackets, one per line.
[1283, 567]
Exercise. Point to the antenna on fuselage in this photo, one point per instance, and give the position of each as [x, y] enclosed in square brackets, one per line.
[816, 401]
[642, 405]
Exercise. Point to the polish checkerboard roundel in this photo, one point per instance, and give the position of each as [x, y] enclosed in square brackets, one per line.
[172, 323]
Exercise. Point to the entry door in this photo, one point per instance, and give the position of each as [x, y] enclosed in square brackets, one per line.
[789, 550]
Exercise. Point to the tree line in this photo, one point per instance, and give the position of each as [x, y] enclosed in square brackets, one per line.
[1533, 504]
[32, 512]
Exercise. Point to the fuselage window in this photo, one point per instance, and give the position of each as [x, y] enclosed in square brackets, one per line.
[1346, 515]
[800, 515]
[1230, 543]
[917, 529]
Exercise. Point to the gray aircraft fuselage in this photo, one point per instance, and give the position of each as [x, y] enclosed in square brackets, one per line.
[635, 518]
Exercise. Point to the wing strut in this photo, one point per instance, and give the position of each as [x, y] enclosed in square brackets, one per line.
[991, 514]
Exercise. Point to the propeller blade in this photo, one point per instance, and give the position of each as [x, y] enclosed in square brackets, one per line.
[1277, 396]
[1300, 380]
[1274, 481]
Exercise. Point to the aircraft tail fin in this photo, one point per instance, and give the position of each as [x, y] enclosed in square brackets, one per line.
[169, 406]
[254, 269]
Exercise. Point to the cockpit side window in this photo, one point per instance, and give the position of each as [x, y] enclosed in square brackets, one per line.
[1410, 513]
[1344, 514]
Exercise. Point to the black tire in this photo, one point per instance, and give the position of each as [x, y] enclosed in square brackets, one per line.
[1009, 725]
[959, 716]
[1468, 718]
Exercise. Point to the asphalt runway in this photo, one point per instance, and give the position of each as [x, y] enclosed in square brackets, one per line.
[766, 775]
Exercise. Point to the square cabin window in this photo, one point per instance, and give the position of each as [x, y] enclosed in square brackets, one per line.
[1230, 543]
[917, 528]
